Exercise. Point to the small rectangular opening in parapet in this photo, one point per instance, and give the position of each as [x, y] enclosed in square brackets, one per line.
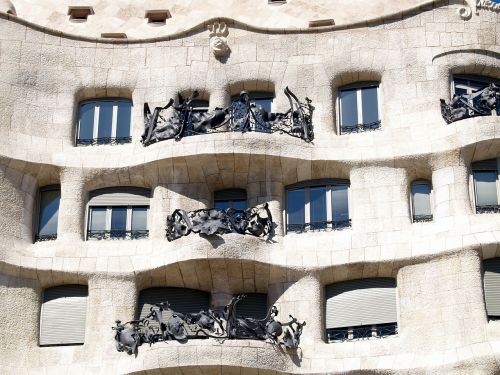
[114, 35]
[79, 13]
[276, 2]
[157, 17]
[321, 23]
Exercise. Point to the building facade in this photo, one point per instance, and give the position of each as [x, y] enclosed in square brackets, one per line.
[385, 213]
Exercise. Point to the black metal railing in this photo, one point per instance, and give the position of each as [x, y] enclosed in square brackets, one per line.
[358, 128]
[361, 332]
[103, 141]
[45, 237]
[421, 218]
[319, 225]
[117, 234]
[488, 209]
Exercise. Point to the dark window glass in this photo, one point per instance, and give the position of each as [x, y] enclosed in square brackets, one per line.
[264, 103]
[98, 218]
[486, 189]
[86, 130]
[295, 209]
[105, 120]
[49, 212]
[123, 119]
[139, 218]
[223, 205]
[240, 204]
[118, 221]
[340, 204]
[369, 103]
[421, 199]
[317, 198]
[348, 107]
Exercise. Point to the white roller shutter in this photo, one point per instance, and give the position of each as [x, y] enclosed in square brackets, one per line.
[492, 286]
[63, 315]
[361, 302]
[120, 196]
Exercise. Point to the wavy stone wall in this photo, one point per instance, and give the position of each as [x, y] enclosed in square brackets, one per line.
[442, 322]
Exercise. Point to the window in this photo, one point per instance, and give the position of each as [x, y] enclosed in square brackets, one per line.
[181, 300]
[319, 204]
[262, 99]
[49, 199]
[254, 305]
[359, 107]
[471, 86]
[63, 315]
[231, 198]
[421, 201]
[199, 107]
[360, 309]
[104, 121]
[491, 280]
[157, 17]
[485, 174]
[79, 13]
[118, 213]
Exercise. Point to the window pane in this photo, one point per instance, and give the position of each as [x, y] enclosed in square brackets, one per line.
[118, 218]
[139, 218]
[486, 189]
[340, 203]
[49, 212]
[348, 107]
[105, 119]
[264, 103]
[86, 121]
[98, 218]
[295, 209]
[369, 103]
[317, 197]
[240, 204]
[123, 119]
[223, 205]
[421, 199]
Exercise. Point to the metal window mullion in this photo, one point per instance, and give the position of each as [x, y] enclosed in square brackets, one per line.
[114, 119]
[95, 129]
[359, 106]
[329, 209]
[307, 206]
[497, 182]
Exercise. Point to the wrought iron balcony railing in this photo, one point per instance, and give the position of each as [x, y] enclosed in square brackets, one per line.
[103, 141]
[361, 332]
[319, 225]
[347, 129]
[45, 237]
[488, 209]
[421, 218]
[117, 234]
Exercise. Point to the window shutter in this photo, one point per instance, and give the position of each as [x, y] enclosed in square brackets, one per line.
[361, 302]
[63, 315]
[230, 195]
[182, 300]
[120, 196]
[254, 305]
[492, 286]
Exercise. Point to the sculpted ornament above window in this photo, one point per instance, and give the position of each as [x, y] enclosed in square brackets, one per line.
[218, 39]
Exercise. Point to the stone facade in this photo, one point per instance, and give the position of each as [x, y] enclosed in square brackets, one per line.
[443, 326]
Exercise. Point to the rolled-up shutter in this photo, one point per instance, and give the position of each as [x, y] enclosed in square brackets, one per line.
[492, 286]
[181, 300]
[254, 305]
[63, 315]
[485, 165]
[230, 195]
[361, 302]
[120, 196]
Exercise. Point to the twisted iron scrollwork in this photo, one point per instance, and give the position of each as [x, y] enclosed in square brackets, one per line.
[242, 115]
[479, 103]
[256, 221]
[221, 323]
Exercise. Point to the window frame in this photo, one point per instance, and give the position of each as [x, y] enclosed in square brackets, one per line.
[358, 86]
[487, 209]
[113, 140]
[38, 213]
[129, 233]
[471, 77]
[306, 185]
[231, 200]
[429, 217]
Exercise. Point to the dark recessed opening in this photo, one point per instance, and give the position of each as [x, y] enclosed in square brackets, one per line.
[321, 23]
[157, 17]
[79, 13]
[114, 35]
[276, 2]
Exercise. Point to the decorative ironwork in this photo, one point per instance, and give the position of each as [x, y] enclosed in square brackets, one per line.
[362, 332]
[103, 141]
[479, 103]
[319, 225]
[256, 221]
[488, 209]
[347, 129]
[45, 237]
[421, 218]
[242, 115]
[117, 234]
[221, 323]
